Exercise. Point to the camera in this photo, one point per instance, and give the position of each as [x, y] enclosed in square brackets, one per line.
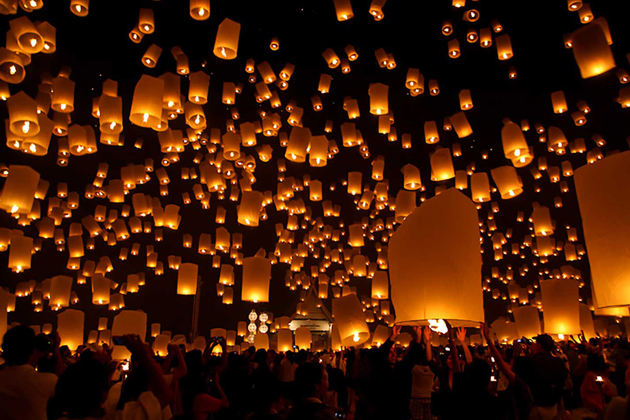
[44, 343]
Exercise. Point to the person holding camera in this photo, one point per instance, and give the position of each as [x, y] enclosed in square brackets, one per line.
[24, 392]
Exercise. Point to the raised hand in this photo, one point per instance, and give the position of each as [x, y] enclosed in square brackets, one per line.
[461, 335]
[427, 334]
[395, 332]
[485, 331]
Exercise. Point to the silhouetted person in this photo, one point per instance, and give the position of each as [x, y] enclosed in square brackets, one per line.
[311, 381]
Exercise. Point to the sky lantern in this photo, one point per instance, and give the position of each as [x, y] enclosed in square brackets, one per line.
[23, 121]
[527, 321]
[343, 8]
[379, 99]
[200, 9]
[441, 164]
[507, 181]
[591, 50]
[20, 253]
[256, 276]
[80, 8]
[187, 279]
[18, 193]
[11, 67]
[418, 264]
[561, 312]
[28, 38]
[480, 187]
[350, 321]
[70, 327]
[602, 191]
[226, 42]
[146, 108]
[250, 207]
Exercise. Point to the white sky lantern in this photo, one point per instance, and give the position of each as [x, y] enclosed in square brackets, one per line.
[355, 235]
[507, 181]
[543, 225]
[70, 326]
[527, 321]
[20, 253]
[303, 338]
[480, 187]
[187, 279]
[591, 49]
[442, 165]
[405, 204]
[130, 322]
[146, 108]
[285, 340]
[256, 277]
[350, 321]
[261, 341]
[226, 42]
[299, 142]
[560, 306]
[428, 283]
[603, 191]
[380, 285]
[250, 207]
[100, 289]
[379, 100]
[19, 190]
[343, 9]
[60, 289]
[381, 334]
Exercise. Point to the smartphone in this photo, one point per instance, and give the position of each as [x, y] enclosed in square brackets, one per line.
[125, 366]
[118, 340]
[493, 378]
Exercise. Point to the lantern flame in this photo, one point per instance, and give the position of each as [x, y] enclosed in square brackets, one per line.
[356, 337]
[145, 118]
[26, 127]
[438, 325]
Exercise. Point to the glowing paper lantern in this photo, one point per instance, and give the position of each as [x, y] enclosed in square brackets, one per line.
[591, 49]
[256, 276]
[20, 253]
[60, 289]
[350, 321]
[18, 193]
[507, 181]
[303, 338]
[442, 165]
[561, 312]
[603, 190]
[285, 340]
[527, 321]
[427, 283]
[146, 108]
[200, 9]
[226, 42]
[187, 279]
[379, 101]
[70, 326]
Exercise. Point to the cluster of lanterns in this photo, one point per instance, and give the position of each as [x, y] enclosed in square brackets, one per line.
[428, 243]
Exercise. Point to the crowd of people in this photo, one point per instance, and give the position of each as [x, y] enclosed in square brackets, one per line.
[539, 379]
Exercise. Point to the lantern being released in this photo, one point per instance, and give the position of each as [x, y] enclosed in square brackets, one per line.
[187, 279]
[560, 306]
[350, 321]
[427, 282]
[70, 326]
[603, 191]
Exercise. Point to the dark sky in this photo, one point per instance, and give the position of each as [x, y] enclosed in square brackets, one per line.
[98, 47]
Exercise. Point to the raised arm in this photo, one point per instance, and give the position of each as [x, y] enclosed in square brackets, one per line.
[451, 343]
[461, 337]
[427, 336]
[157, 384]
[498, 359]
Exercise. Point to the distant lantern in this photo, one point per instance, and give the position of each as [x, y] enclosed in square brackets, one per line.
[591, 50]
[603, 192]
[146, 108]
[20, 252]
[303, 338]
[418, 263]
[198, 87]
[18, 193]
[200, 9]
[543, 225]
[561, 312]
[559, 102]
[11, 67]
[461, 125]
[380, 285]
[379, 93]
[187, 279]
[62, 95]
[350, 321]
[514, 143]
[226, 42]
[256, 276]
[151, 56]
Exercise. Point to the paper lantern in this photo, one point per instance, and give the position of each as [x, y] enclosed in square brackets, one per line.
[23, 121]
[507, 181]
[228, 296]
[381, 334]
[442, 165]
[100, 289]
[226, 42]
[60, 290]
[285, 340]
[187, 279]
[602, 191]
[28, 38]
[379, 101]
[560, 303]
[70, 326]
[480, 187]
[428, 284]
[527, 321]
[200, 9]
[130, 322]
[542, 221]
[256, 277]
[80, 8]
[20, 253]
[380, 285]
[18, 193]
[586, 322]
[350, 321]
[303, 338]
[504, 47]
[146, 108]
[591, 50]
